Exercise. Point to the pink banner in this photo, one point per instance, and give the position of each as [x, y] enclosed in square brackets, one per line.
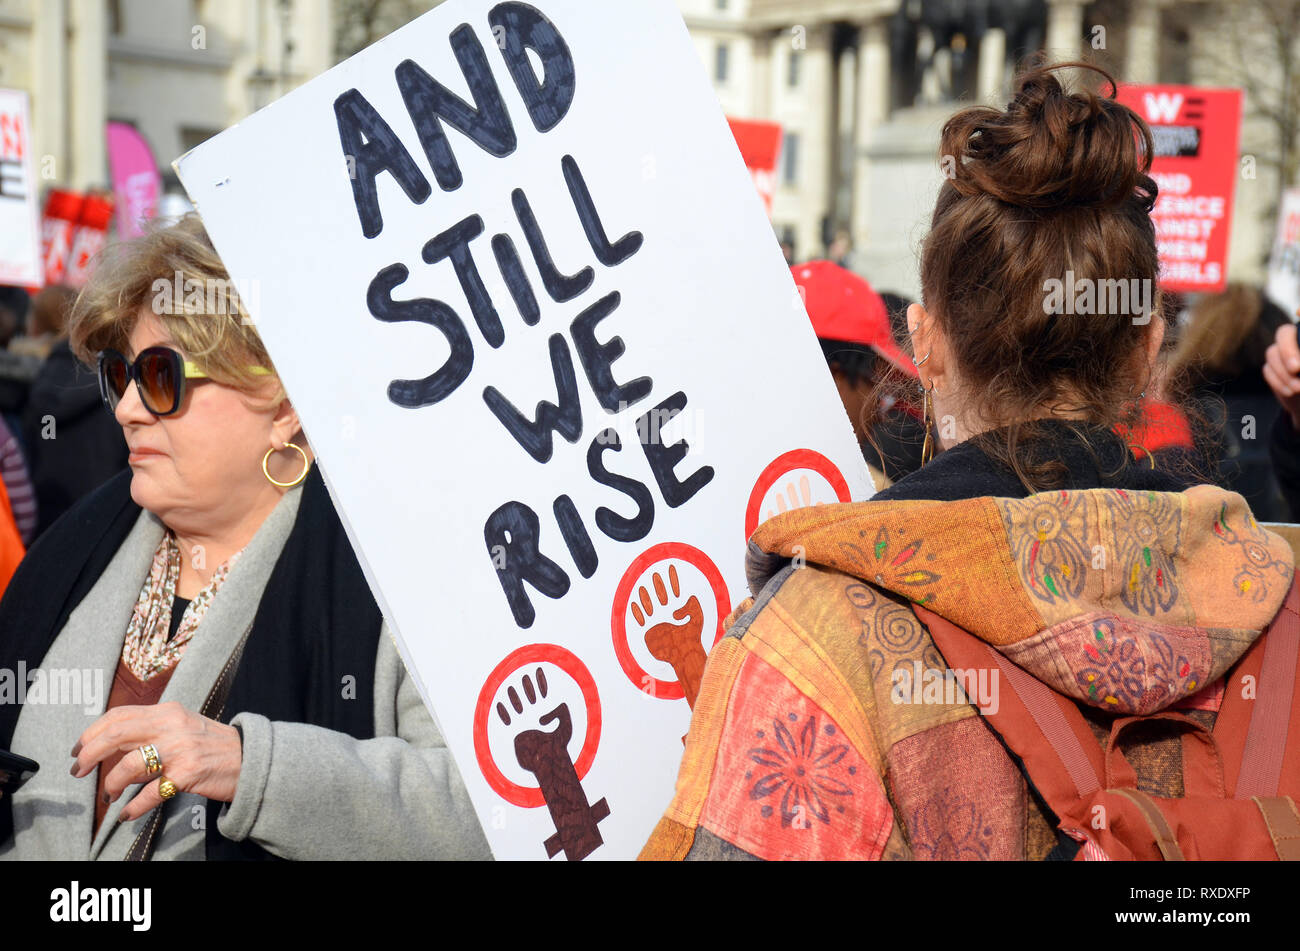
[136, 182]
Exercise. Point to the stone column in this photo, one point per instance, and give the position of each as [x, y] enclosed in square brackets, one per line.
[1064, 29]
[761, 97]
[1142, 43]
[873, 87]
[992, 65]
[49, 59]
[817, 135]
[89, 83]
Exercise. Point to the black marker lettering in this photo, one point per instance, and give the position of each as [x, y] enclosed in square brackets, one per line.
[606, 253]
[597, 358]
[515, 527]
[454, 244]
[413, 394]
[565, 419]
[487, 122]
[512, 270]
[575, 536]
[607, 520]
[560, 286]
[525, 27]
[369, 143]
[663, 458]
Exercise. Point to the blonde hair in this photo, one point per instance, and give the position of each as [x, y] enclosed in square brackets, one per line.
[175, 272]
[1219, 327]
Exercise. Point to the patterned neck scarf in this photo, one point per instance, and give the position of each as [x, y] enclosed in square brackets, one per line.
[147, 651]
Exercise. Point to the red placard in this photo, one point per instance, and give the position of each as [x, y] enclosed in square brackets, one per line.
[760, 145]
[1196, 133]
[89, 238]
[58, 226]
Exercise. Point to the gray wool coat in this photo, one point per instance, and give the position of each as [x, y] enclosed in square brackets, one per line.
[304, 792]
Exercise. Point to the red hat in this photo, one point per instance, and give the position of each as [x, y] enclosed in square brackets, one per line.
[843, 306]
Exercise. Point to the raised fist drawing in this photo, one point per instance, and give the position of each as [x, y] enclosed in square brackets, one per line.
[545, 754]
[797, 496]
[676, 642]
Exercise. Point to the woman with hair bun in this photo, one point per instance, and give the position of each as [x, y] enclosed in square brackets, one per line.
[1033, 630]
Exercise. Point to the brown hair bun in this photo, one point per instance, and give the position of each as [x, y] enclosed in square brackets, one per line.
[1051, 191]
[1052, 149]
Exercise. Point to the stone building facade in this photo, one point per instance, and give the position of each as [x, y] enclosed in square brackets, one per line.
[863, 87]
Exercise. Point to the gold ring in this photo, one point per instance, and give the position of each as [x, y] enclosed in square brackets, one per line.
[166, 788]
[152, 762]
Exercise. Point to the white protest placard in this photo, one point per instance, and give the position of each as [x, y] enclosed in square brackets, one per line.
[1284, 261]
[20, 235]
[517, 281]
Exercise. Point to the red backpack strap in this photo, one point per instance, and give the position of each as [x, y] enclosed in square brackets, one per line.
[1057, 721]
[1166, 841]
[1044, 728]
[1283, 823]
[1203, 765]
[1068, 766]
[1273, 707]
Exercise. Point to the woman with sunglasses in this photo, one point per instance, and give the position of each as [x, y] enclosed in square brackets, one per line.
[240, 695]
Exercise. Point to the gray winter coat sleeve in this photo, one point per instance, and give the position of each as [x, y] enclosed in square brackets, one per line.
[306, 792]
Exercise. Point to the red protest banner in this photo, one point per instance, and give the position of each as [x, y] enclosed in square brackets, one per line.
[760, 145]
[89, 238]
[1196, 134]
[58, 225]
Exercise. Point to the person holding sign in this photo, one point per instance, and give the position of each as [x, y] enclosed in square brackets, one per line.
[241, 694]
[955, 668]
[1281, 371]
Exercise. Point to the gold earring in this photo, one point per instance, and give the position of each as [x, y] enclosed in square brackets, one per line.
[927, 411]
[306, 467]
[1133, 450]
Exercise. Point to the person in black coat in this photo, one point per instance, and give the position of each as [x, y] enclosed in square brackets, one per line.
[73, 445]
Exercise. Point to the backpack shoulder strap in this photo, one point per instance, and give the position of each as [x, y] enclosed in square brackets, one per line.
[1283, 824]
[1166, 841]
[1273, 709]
[1045, 729]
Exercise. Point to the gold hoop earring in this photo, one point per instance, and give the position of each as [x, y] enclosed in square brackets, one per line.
[306, 466]
[1133, 447]
[927, 420]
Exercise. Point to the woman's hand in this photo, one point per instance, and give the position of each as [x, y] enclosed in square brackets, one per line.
[199, 755]
[1282, 371]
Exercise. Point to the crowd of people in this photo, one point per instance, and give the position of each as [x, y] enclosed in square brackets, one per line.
[1218, 408]
[1069, 503]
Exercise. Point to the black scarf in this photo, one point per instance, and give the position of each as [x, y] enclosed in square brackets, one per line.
[316, 624]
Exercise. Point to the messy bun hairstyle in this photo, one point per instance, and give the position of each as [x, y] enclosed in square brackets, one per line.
[1057, 182]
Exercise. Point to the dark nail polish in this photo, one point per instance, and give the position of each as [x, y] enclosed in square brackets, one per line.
[107, 798]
